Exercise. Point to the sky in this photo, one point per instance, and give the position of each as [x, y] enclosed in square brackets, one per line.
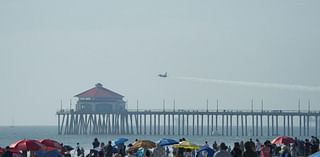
[52, 50]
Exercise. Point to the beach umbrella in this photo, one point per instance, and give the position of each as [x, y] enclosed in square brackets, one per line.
[282, 140]
[51, 143]
[46, 148]
[118, 141]
[31, 145]
[186, 145]
[144, 144]
[205, 148]
[316, 154]
[166, 142]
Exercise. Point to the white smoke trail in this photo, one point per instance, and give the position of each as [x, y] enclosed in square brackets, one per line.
[254, 84]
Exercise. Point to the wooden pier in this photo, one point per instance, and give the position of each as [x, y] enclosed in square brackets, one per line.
[189, 122]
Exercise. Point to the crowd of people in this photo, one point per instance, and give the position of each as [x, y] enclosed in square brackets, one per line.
[250, 148]
[257, 149]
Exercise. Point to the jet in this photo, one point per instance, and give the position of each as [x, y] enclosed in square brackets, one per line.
[163, 75]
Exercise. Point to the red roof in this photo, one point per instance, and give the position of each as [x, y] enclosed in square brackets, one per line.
[98, 91]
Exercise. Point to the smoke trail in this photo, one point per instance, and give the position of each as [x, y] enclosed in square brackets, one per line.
[254, 84]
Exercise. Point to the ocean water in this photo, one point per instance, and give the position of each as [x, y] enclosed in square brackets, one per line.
[9, 135]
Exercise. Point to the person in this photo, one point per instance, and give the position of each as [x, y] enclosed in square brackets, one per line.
[7, 153]
[131, 153]
[82, 152]
[241, 146]
[258, 146]
[108, 150]
[95, 143]
[78, 149]
[222, 152]
[293, 152]
[122, 149]
[314, 147]
[147, 153]
[180, 150]
[215, 146]
[158, 151]
[284, 152]
[236, 151]
[252, 145]
[307, 147]
[265, 150]
[249, 151]
[167, 151]
[206, 144]
[101, 150]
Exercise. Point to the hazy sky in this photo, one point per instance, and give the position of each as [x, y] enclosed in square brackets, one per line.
[53, 50]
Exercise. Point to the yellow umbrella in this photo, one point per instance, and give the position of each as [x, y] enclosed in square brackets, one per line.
[147, 144]
[187, 145]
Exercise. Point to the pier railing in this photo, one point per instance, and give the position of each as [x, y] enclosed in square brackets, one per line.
[189, 122]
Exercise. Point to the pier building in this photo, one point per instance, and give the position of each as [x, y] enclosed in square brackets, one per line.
[100, 100]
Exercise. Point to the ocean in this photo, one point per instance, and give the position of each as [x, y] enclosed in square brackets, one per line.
[9, 135]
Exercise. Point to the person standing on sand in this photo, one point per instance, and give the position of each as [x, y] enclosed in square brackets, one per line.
[7, 153]
[206, 144]
[95, 143]
[249, 151]
[253, 148]
[258, 146]
[215, 146]
[236, 151]
[265, 150]
[109, 149]
[284, 152]
[241, 146]
[222, 152]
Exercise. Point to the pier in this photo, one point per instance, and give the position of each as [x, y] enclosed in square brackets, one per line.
[102, 111]
[189, 122]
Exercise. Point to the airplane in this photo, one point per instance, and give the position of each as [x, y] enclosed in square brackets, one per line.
[163, 75]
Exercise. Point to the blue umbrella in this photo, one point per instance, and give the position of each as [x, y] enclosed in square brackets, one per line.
[316, 154]
[205, 148]
[166, 142]
[119, 141]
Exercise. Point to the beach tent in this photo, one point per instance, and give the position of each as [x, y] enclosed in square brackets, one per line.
[207, 149]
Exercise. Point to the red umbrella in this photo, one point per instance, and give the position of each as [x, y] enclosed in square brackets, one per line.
[27, 145]
[51, 143]
[282, 139]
